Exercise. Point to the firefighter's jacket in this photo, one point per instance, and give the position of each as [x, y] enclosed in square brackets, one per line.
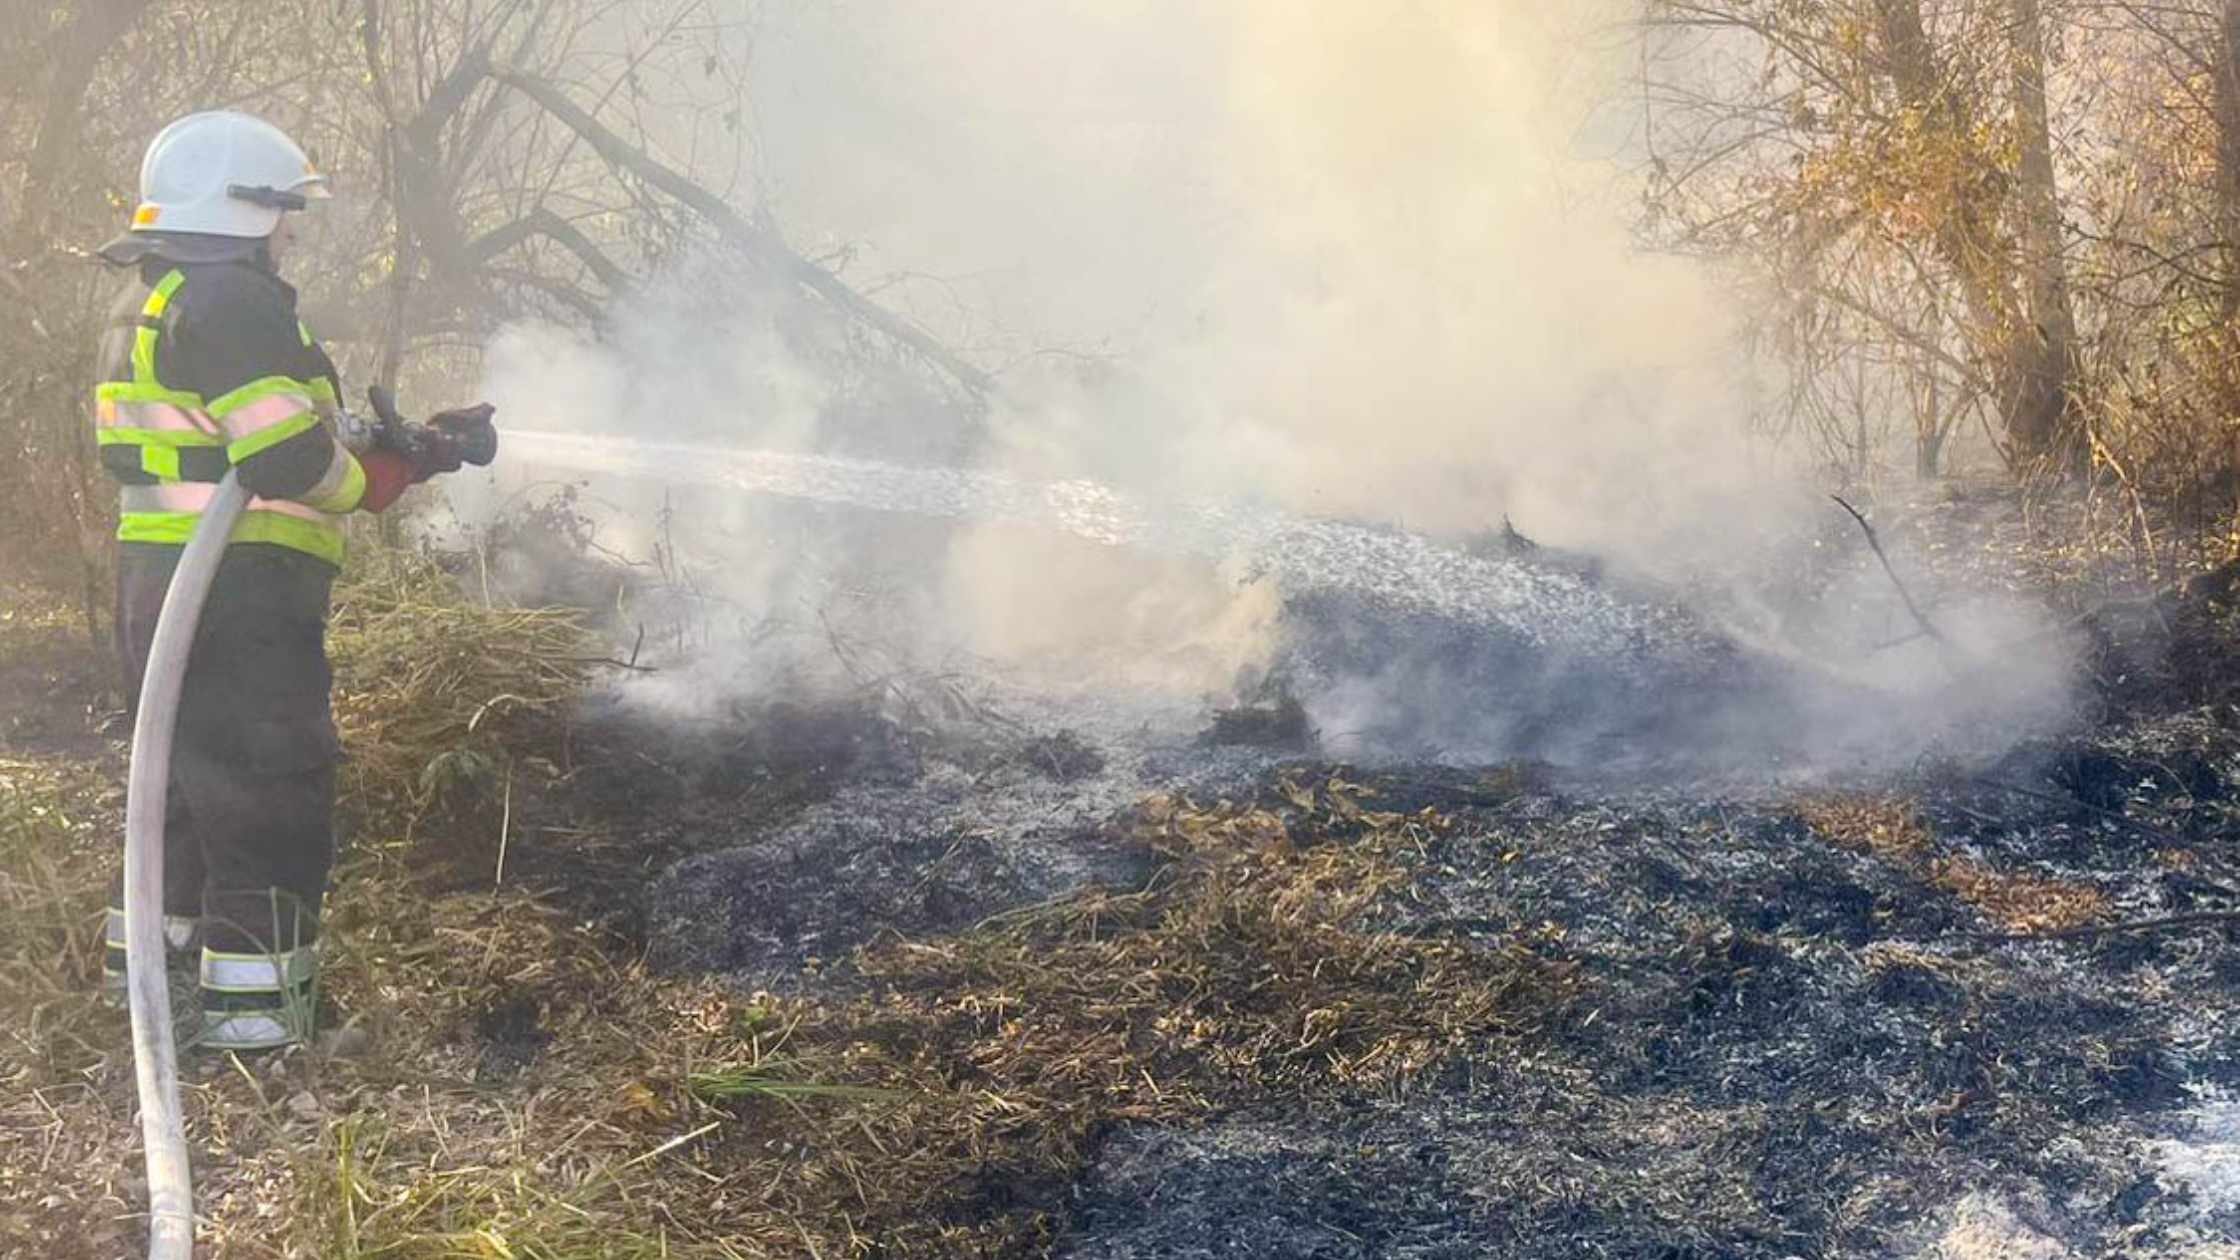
[206, 367]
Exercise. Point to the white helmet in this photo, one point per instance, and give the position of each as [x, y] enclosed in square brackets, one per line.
[223, 173]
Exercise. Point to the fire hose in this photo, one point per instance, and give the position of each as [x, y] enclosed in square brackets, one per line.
[148, 787]
[155, 1058]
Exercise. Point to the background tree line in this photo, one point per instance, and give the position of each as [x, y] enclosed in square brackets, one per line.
[2007, 228]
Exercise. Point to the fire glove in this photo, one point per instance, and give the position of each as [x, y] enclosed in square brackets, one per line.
[388, 472]
[399, 453]
[463, 435]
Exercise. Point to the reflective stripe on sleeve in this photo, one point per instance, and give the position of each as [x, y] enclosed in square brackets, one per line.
[343, 485]
[263, 412]
[265, 439]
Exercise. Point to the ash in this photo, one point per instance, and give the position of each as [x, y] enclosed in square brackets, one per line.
[1798, 1038]
[1790, 1045]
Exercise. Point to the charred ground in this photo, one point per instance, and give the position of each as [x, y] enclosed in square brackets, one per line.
[870, 978]
[1582, 1012]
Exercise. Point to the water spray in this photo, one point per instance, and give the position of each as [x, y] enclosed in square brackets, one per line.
[1389, 567]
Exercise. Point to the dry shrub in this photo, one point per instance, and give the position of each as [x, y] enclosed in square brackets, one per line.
[437, 692]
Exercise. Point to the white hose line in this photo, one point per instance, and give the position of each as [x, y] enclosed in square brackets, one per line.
[154, 1053]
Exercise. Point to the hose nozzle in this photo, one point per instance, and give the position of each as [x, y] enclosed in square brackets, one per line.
[464, 435]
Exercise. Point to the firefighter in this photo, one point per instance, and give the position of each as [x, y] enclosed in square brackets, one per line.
[206, 367]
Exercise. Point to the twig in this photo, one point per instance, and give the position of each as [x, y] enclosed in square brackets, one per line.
[2117, 816]
[674, 1143]
[1920, 618]
[1897, 641]
[2111, 929]
[505, 830]
[630, 665]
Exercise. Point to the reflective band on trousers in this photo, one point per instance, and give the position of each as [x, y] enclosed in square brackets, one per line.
[258, 1030]
[178, 930]
[258, 973]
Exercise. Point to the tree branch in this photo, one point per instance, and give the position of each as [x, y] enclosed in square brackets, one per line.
[543, 222]
[734, 228]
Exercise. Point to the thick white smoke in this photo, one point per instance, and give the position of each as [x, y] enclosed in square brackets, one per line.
[1351, 260]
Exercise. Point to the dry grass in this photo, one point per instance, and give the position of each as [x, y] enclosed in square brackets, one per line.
[438, 694]
[1887, 827]
[943, 1110]
[65, 1144]
[526, 1092]
[2021, 903]
[1891, 829]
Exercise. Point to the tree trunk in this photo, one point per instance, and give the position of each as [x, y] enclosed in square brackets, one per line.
[1929, 428]
[93, 28]
[2042, 417]
[2228, 159]
[2226, 379]
[2026, 339]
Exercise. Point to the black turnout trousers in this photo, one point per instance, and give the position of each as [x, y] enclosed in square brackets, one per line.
[249, 829]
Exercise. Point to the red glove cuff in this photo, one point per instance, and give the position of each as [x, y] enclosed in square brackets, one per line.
[388, 473]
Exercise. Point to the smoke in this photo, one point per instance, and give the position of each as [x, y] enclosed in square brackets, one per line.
[1357, 258]
[1369, 262]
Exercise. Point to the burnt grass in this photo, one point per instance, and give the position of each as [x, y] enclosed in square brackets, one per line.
[1798, 1023]
[1795, 1032]
[1783, 1048]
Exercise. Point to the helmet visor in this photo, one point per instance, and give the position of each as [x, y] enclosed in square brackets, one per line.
[296, 196]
